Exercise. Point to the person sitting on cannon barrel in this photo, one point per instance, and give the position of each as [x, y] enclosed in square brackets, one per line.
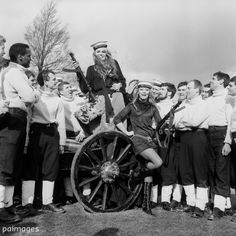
[141, 112]
[107, 83]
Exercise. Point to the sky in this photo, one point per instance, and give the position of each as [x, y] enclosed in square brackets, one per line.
[168, 40]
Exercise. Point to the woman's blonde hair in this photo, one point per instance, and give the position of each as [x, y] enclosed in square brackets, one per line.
[2, 40]
[151, 99]
[105, 67]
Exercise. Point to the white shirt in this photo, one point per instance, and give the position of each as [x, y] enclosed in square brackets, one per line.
[220, 109]
[50, 109]
[164, 107]
[70, 107]
[194, 115]
[233, 118]
[16, 87]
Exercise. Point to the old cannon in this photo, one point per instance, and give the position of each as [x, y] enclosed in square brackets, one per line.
[104, 162]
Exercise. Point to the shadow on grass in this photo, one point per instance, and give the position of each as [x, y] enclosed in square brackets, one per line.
[107, 232]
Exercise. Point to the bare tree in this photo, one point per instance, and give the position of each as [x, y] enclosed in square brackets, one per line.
[48, 40]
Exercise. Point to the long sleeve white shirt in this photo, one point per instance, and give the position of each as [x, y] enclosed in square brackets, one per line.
[50, 109]
[220, 109]
[164, 107]
[194, 115]
[233, 118]
[16, 87]
[70, 108]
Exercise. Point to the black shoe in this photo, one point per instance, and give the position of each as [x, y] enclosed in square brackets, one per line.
[154, 205]
[229, 212]
[188, 209]
[72, 200]
[198, 213]
[175, 205]
[20, 211]
[52, 208]
[166, 206]
[7, 218]
[217, 214]
[32, 210]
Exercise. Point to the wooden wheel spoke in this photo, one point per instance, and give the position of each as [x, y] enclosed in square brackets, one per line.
[85, 167]
[86, 181]
[95, 191]
[112, 148]
[104, 199]
[104, 152]
[127, 164]
[114, 190]
[125, 188]
[123, 154]
[92, 155]
[124, 175]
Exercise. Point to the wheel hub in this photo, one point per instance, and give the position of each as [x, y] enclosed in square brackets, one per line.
[109, 171]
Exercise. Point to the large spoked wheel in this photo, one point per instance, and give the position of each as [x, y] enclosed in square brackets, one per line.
[100, 173]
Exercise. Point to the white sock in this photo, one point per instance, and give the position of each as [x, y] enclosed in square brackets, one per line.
[28, 187]
[154, 193]
[2, 196]
[8, 199]
[228, 203]
[220, 202]
[177, 192]
[190, 194]
[48, 187]
[201, 198]
[166, 192]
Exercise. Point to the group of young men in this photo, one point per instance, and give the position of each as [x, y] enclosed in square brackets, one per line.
[197, 159]
[202, 151]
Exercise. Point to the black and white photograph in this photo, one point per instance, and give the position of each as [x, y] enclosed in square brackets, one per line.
[118, 117]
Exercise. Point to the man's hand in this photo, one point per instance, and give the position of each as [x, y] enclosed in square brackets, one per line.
[61, 149]
[80, 137]
[130, 133]
[226, 149]
[4, 106]
[116, 86]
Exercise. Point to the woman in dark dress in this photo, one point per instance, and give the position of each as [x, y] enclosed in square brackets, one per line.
[106, 82]
[141, 113]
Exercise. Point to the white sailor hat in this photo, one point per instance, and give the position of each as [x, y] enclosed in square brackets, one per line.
[100, 44]
[144, 84]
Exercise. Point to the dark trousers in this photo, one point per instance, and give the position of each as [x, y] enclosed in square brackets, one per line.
[219, 165]
[12, 141]
[233, 162]
[42, 159]
[168, 169]
[193, 158]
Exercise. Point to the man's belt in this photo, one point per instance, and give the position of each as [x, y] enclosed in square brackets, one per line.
[43, 125]
[215, 127]
[17, 111]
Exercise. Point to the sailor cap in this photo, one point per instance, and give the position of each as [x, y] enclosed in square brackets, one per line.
[100, 44]
[144, 84]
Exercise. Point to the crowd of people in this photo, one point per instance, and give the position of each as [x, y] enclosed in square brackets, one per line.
[39, 114]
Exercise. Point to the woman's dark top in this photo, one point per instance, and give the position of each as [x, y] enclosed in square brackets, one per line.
[141, 116]
[96, 82]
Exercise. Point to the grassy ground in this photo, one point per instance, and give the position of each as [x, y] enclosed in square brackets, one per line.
[131, 222]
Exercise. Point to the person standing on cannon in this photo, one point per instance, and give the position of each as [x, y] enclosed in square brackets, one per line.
[106, 82]
[141, 112]
[46, 139]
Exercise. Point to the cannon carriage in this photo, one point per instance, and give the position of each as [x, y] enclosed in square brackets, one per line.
[104, 162]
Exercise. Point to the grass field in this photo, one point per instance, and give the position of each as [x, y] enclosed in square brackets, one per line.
[131, 222]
